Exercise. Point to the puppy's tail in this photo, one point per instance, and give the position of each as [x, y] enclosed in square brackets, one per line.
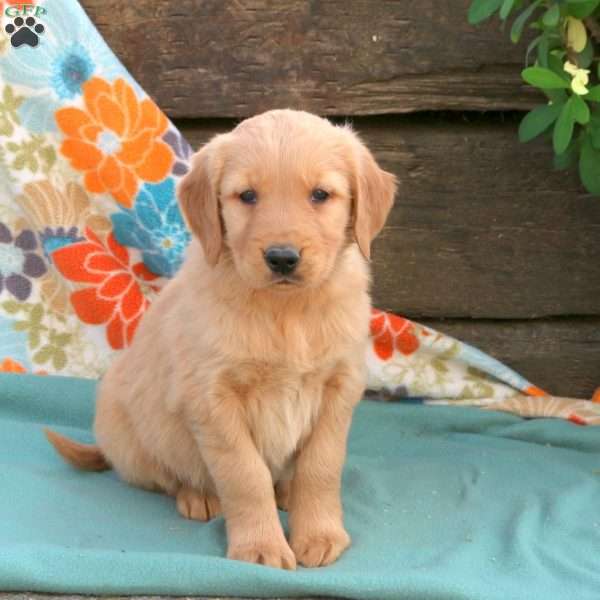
[82, 456]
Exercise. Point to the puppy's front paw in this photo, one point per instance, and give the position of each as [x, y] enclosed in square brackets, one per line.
[317, 549]
[270, 554]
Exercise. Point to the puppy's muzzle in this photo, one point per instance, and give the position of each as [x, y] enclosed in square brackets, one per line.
[282, 260]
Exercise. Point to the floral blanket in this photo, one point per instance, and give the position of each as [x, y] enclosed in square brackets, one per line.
[90, 228]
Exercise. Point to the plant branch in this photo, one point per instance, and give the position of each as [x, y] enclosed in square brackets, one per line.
[593, 27]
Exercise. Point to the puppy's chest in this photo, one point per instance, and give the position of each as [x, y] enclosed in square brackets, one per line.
[305, 344]
[281, 409]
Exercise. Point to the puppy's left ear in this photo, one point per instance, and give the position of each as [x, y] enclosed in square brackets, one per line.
[373, 197]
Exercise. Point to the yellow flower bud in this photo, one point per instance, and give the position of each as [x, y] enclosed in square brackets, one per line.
[578, 85]
[570, 68]
[581, 77]
[576, 34]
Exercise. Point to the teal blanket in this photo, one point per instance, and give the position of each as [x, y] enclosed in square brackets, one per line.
[442, 503]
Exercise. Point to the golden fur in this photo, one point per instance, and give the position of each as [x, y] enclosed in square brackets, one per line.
[238, 390]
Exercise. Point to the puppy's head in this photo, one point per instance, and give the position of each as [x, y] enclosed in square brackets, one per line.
[280, 194]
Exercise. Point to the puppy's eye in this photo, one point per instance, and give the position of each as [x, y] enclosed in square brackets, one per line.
[319, 196]
[248, 197]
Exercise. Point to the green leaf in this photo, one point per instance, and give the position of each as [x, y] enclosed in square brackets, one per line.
[557, 66]
[581, 111]
[567, 159]
[563, 128]
[7, 94]
[544, 50]
[48, 155]
[557, 96]
[11, 101]
[532, 46]
[61, 339]
[506, 8]
[19, 162]
[6, 127]
[59, 359]
[34, 338]
[589, 167]
[20, 325]
[43, 355]
[480, 10]
[11, 306]
[36, 314]
[594, 94]
[586, 56]
[519, 23]
[439, 365]
[551, 16]
[582, 8]
[544, 79]
[538, 120]
[594, 130]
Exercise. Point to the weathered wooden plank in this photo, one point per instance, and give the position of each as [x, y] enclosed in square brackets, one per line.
[483, 226]
[561, 356]
[35, 596]
[218, 58]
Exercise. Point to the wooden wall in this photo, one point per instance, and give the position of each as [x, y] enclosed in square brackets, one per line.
[486, 241]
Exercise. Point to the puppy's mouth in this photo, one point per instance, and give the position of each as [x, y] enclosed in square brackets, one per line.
[286, 282]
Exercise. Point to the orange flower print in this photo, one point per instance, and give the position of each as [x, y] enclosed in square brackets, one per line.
[116, 140]
[8, 365]
[577, 420]
[533, 390]
[391, 332]
[407, 342]
[114, 295]
[15, 3]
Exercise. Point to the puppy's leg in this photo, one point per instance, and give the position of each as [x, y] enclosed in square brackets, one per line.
[282, 494]
[318, 536]
[120, 443]
[193, 504]
[244, 484]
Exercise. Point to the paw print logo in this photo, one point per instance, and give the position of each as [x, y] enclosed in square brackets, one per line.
[24, 31]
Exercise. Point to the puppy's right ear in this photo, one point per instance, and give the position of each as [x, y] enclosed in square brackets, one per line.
[199, 200]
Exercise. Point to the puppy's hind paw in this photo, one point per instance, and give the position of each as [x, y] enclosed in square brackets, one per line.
[192, 504]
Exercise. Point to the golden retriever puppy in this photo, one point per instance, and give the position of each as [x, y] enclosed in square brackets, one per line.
[238, 390]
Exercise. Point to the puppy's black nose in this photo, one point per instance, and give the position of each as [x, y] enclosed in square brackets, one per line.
[282, 259]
